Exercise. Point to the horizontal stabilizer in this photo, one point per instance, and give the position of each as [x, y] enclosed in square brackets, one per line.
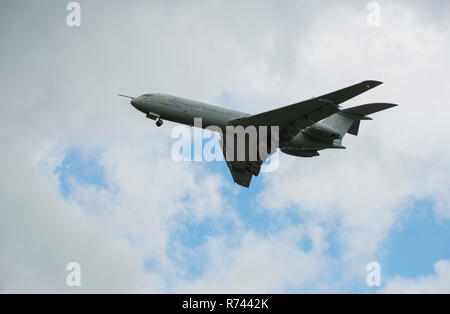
[364, 110]
[360, 113]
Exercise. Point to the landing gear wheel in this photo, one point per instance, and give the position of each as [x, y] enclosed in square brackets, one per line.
[159, 122]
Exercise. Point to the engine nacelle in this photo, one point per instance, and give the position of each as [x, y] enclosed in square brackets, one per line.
[299, 152]
[323, 130]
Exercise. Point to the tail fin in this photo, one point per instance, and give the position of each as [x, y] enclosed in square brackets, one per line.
[349, 120]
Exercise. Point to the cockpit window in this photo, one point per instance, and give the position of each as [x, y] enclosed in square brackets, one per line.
[148, 95]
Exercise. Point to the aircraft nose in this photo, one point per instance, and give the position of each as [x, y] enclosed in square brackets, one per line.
[139, 104]
[136, 104]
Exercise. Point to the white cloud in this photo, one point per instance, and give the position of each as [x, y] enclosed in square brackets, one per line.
[258, 264]
[41, 233]
[110, 232]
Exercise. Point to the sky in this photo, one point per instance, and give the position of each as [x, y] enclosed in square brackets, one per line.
[86, 178]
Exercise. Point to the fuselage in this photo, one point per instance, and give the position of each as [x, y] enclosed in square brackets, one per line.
[182, 110]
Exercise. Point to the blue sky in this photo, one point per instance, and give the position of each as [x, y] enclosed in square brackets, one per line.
[420, 239]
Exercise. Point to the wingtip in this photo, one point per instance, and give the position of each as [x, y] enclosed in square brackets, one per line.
[372, 83]
[384, 106]
[387, 105]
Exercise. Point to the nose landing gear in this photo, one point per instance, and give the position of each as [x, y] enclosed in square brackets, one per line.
[156, 117]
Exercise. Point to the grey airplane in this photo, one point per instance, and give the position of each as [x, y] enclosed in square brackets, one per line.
[305, 127]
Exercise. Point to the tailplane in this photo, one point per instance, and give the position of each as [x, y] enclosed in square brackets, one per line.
[349, 120]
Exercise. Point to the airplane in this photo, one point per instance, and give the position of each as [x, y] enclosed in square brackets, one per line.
[305, 128]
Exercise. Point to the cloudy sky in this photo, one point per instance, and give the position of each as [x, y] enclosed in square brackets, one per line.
[86, 178]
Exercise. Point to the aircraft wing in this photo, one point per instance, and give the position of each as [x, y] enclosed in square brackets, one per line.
[294, 118]
[242, 171]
